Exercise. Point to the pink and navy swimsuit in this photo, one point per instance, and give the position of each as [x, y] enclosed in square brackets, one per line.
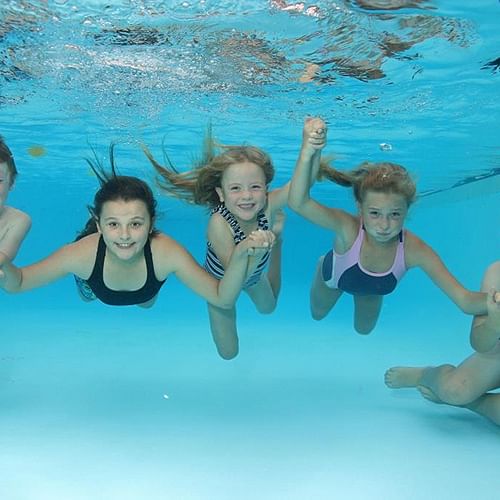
[344, 271]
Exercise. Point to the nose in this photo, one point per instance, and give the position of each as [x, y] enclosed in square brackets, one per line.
[246, 194]
[385, 222]
[124, 233]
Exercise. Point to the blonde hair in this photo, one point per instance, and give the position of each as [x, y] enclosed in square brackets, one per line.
[198, 184]
[381, 177]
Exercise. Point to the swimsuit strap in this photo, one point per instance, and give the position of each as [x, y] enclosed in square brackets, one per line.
[238, 234]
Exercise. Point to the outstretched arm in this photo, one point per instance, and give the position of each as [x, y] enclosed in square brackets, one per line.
[73, 258]
[485, 331]
[221, 293]
[419, 254]
[305, 174]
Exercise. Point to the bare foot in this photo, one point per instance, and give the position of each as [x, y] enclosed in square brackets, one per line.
[429, 394]
[403, 376]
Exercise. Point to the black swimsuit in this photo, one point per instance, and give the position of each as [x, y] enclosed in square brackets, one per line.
[95, 287]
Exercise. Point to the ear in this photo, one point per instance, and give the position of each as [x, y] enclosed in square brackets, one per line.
[99, 230]
[219, 192]
[358, 205]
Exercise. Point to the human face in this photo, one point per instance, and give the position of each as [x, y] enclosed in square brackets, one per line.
[125, 227]
[383, 215]
[243, 190]
[5, 184]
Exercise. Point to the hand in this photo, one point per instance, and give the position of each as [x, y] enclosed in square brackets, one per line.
[314, 134]
[258, 242]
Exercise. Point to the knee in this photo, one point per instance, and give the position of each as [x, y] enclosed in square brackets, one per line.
[457, 391]
[267, 307]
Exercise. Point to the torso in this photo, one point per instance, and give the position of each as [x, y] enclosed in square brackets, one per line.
[365, 269]
[212, 263]
[137, 287]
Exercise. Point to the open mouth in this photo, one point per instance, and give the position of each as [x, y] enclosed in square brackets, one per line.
[124, 245]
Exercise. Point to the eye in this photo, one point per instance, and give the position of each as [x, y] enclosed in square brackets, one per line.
[373, 213]
[136, 225]
[395, 215]
[256, 187]
[113, 225]
[234, 188]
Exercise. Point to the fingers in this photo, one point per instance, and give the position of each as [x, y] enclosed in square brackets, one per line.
[315, 131]
[261, 239]
[494, 297]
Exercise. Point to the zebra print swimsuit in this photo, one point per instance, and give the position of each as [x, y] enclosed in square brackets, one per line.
[212, 262]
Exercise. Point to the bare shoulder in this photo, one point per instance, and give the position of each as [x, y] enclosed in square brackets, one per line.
[218, 229]
[14, 217]
[80, 255]
[416, 250]
[168, 254]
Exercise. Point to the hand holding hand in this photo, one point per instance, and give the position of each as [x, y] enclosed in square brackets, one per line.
[314, 134]
[258, 242]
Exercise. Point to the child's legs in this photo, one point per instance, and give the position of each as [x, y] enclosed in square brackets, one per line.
[366, 312]
[224, 333]
[274, 271]
[322, 297]
[465, 383]
[262, 295]
[488, 405]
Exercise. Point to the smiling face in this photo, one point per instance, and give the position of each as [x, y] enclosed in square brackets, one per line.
[383, 215]
[125, 227]
[243, 190]
[5, 184]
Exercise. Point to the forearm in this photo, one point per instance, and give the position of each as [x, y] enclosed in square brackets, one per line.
[305, 174]
[229, 287]
[473, 303]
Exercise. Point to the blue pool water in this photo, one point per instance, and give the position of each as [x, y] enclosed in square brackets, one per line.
[124, 404]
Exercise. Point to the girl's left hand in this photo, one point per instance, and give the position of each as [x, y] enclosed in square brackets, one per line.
[259, 242]
[314, 134]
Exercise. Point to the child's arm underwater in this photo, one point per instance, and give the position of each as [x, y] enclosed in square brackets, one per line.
[221, 239]
[16, 228]
[221, 293]
[419, 254]
[485, 331]
[68, 259]
[305, 174]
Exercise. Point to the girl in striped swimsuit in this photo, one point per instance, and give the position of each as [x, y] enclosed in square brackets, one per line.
[234, 185]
